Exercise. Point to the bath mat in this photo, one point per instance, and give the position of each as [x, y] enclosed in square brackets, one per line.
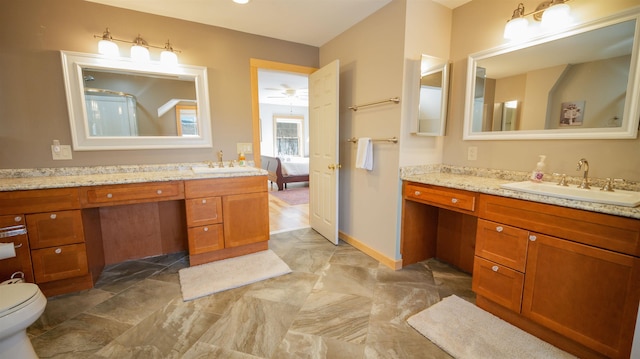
[293, 196]
[209, 278]
[465, 331]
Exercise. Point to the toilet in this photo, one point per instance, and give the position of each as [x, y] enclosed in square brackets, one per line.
[21, 304]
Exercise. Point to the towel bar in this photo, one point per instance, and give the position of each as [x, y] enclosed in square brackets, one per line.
[394, 99]
[392, 139]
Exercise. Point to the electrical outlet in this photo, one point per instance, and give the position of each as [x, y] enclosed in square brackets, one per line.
[60, 152]
[245, 147]
[472, 153]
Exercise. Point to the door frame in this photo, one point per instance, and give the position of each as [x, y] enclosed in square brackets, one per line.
[254, 65]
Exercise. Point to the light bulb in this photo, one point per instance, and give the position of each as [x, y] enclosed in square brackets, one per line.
[168, 58]
[108, 48]
[556, 16]
[139, 53]
[516, 28]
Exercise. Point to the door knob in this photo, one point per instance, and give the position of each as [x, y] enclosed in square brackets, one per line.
[334, 166]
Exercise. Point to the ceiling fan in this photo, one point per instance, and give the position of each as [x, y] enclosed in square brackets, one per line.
[288, 92]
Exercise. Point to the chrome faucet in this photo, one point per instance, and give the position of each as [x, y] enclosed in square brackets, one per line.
[585, 178]
[220, 162]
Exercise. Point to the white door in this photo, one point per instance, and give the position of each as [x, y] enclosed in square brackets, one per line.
[323, 152]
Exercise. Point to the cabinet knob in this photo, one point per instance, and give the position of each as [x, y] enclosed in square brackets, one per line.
[109, 195]
[53, 216]
[204, 201]
[532, 238]
[417, 193]
[499, 229]
[17, 219]
[454, 200]
[159, 191]
[206, 229]
[494, 268]
[58, 250]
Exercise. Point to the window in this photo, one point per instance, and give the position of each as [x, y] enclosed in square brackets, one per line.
[288, 136]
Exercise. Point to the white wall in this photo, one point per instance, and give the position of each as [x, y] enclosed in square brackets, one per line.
[266, 125]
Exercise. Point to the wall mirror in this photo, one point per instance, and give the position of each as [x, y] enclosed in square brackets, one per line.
[117, 104]
[433, 96]
[581, 84]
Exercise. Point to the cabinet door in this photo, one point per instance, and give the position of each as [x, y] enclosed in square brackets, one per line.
[205, 239]
[498, 283]
[202, 211]
[13, 230]
[61, 262]
[502, 244]
[584, 293]
[246, 219]
[55, 228]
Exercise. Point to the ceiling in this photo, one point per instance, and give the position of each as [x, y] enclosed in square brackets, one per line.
[309, 22]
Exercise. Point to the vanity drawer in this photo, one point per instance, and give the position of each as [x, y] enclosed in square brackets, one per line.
[502, 244]
[55, 228]
[59, 262]
[498, 283]
[205, 239]
[201, 211]
[41, 200]
[441, 196]
[224, 186]
[132, 193]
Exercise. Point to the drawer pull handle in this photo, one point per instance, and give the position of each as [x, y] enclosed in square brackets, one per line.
[454, 200]
[532, 238]
[206, 229]
[159, 191]
[499, 229]
[109, 195]
[204, 201]
[53, 216]
[58, 250]
[17, 219]
[417, 193]
[494, 268]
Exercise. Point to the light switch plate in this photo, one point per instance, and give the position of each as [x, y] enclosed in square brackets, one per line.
[472, 153]
[244, 147]
[61, 152]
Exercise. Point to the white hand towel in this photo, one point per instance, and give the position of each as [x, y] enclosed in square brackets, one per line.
[364, 157]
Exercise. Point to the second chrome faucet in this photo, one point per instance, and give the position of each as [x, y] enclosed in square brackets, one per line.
[583, 163]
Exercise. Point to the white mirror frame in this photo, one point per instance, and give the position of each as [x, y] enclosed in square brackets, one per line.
[444, 99]
[73, 63]
[631, 117]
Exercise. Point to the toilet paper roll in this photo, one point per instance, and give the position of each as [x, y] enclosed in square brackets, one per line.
[7, 250]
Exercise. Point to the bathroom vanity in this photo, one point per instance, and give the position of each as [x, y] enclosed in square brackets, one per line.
[75, 225]
[570, 276]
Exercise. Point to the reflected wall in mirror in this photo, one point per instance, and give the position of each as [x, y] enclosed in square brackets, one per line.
[121, 104]
[583, 83]
[433, 97]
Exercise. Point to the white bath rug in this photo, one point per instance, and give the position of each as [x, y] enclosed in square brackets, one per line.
[467, 332]
[209, 278]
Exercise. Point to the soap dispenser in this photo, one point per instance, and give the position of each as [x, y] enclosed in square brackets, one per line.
[538, 173]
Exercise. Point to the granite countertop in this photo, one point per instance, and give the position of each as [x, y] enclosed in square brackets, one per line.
[43, 178]
[489, 181]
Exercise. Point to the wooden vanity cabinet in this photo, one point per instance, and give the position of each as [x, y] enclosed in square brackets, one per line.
[13, 230]
[581, 273]
[226, 217]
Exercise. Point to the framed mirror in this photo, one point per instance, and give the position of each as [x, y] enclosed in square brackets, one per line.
[117, 104]
[581, 84]
[433, 96]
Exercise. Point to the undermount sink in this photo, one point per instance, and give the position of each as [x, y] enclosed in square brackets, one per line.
[205, 169]
[595, 195]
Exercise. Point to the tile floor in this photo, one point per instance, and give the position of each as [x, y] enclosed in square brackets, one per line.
[338, 303]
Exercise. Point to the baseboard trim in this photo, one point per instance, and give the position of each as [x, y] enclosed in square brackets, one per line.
[391, 263]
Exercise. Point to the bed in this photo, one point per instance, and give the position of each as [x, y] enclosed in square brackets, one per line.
[285, 171]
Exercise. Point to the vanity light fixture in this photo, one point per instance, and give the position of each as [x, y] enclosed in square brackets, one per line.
[241, 1]
[553, 15]
[139, 49]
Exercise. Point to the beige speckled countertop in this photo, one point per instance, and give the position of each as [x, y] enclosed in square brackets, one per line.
[489, 181]
[43, 178]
